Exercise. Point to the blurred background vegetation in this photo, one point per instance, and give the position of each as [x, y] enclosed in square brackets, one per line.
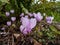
[50, 7]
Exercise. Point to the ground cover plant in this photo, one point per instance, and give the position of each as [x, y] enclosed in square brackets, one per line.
[29, 22]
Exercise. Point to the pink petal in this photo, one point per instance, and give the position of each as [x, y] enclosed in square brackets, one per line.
[35, 15]
[21, 28]
[25, 31]
[32, 22]
[38, 16]
[49, 22]
[25, 21]
[9, 23]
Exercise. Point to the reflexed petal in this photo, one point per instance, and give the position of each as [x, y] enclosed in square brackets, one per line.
[21, 28]
[35, 15]
[38, 16]
[25, 21]
[32, 22]
[25, 31]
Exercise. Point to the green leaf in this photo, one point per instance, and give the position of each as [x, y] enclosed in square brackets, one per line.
[6, 1]
[54, 30]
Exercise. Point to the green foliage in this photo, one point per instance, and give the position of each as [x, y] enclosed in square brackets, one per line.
[54, 30]
[50, 8]
[5, 1]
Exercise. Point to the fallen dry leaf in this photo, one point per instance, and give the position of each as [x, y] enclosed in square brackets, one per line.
[16, 35]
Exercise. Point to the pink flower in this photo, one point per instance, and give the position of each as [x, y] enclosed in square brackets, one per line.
[7, 14]
[38, 16]
[8, 23]
[13, 18]
[49, 19]
[27, 25]
[25, 21]
[32, 23]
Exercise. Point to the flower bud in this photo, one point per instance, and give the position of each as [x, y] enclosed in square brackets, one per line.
[13, 18]
[8, 23]
[7, 14]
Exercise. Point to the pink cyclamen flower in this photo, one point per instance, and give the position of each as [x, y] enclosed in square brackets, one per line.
[13, 18]
[27, 25]
[12, 11]
[38, 16]
[7, 14]
[8, 23]
[49, 19]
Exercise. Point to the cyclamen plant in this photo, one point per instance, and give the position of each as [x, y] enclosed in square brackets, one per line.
[24, 26]
[27, 24]
[28, 21]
